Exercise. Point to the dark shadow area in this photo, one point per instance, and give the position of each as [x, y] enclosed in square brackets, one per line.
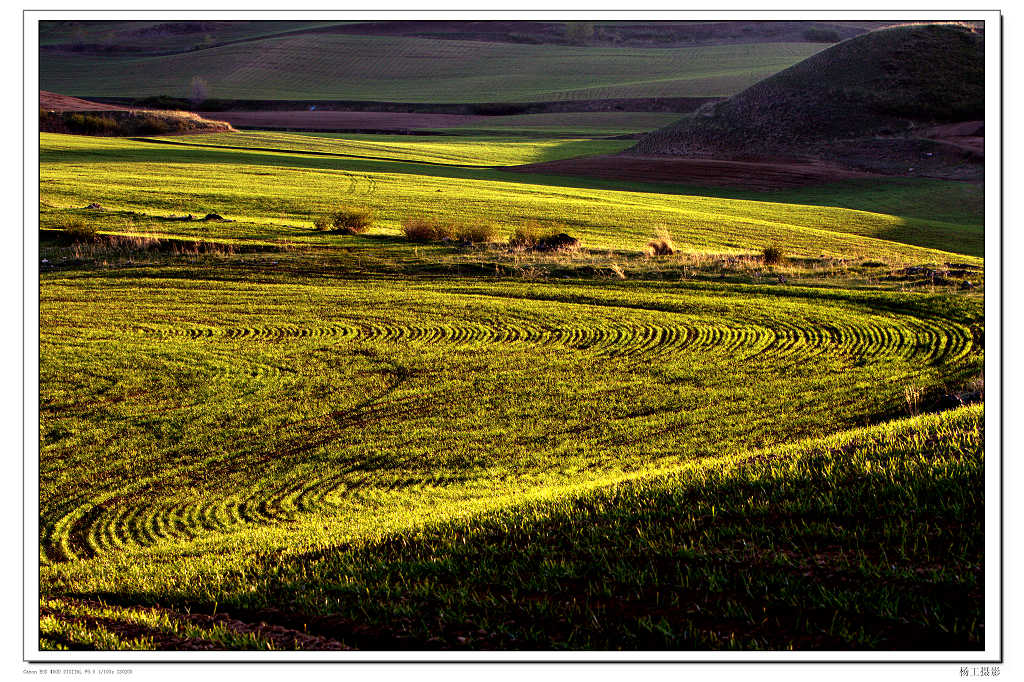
[757, 556]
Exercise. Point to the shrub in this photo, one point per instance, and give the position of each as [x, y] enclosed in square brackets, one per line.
[199, 91]
[91, 124]
[418, 229]
[476, 233]
[347, 220]
[558, 241]
[526, 235]
[661, 245]
[77, 229]
[531, 236]
[422, 229]
[152, 125]
[579, 32]
[772, 255]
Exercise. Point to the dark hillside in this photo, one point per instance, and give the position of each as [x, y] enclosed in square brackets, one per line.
[151, 37]
[885, 83]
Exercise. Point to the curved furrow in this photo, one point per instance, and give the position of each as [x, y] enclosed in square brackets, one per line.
[142, 513]
[794, 340]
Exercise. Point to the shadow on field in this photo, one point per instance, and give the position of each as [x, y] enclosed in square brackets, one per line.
[816, 552]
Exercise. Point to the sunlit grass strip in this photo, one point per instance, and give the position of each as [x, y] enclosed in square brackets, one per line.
[275, 190]
[482, 151]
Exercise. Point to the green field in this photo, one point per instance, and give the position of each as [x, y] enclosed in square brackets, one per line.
[476, 151]
[399, 69]
[377, 444]
[307, 175]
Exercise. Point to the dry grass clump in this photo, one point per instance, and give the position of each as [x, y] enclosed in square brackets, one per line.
[77, 229]
[530, 236]
[526, 235]
[427, 229]
[912, 394]
[346, 220]
[661, 245]
[772, 255]
[480, 232]
[131, 244]
[430, 229]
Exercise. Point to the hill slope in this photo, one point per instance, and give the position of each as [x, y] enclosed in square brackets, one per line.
[885, 83]
[400, 69]
[165, 37]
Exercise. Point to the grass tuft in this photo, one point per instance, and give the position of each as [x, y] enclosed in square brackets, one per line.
[427, 229]
[531, 236]
[526, 235]
[478, 232]
[77, 229]
[661, 245]
[346, 220]
[772, 255]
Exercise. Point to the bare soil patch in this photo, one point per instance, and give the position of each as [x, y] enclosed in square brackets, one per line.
[340, 120]
[761, 175]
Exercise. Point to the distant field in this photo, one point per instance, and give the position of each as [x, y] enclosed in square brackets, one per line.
[375, 121]
[589, 123]
[162, 36]
[570, 124]
[353, 67]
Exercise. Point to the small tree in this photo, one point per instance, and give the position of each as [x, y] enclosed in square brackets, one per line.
[199, 92]
[579, 32]
[78, 38]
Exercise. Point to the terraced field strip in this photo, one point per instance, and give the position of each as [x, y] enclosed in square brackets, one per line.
[383, 377]
[400, 69]
[486, 152]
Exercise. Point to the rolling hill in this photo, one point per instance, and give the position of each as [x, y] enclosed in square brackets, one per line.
[864, 101]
